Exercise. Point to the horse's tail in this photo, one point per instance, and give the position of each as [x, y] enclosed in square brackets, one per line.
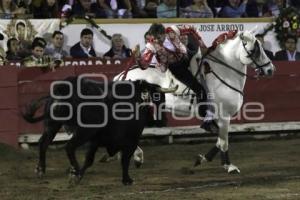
[32, 108]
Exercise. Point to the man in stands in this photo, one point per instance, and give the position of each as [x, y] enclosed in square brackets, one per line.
[55, 49]
[13, 50]
[289, 53]
[118, 49]
[84, 48]
[170, 53]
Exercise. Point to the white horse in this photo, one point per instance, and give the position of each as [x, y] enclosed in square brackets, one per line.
[225, 82]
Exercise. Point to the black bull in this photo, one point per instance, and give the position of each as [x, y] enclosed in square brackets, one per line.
[112, 115]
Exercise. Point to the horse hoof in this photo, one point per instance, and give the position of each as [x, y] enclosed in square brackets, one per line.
[199, 160]
[232, 169]
[128, 181]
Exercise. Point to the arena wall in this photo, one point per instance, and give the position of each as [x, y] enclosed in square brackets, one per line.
[279, 95]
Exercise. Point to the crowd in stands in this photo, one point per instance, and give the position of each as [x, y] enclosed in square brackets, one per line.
[37, 52]
[41, 53]
[143, 8]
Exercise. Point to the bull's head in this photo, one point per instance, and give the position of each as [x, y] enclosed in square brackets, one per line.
[148, 89]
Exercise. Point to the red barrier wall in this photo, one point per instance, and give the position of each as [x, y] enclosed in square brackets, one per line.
[279, 95]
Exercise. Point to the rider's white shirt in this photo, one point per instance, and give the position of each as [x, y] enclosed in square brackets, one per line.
[170, 46]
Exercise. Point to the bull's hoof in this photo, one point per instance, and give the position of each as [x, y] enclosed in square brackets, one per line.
[74, 179]
[127, 181]
[40, 172]
[199, 160]
[138, 164]
[232, 169]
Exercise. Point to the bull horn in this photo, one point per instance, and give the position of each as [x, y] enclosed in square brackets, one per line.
[168, 90]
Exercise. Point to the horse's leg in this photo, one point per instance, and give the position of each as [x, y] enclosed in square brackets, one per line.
[50, 130]
[208, 157]
[138, 157]
[222, 144]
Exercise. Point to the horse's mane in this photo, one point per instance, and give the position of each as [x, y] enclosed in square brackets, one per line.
[222, 39]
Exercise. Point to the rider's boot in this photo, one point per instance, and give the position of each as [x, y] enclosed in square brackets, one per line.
[209, 123]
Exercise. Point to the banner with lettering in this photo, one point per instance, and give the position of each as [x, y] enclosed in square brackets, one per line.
[133, 34]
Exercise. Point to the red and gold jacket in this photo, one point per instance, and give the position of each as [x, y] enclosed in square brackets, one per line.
[171, 50]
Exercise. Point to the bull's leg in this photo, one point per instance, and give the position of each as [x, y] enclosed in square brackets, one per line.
[78, 139]
[90, 157]
[50, 130]
[125, 160]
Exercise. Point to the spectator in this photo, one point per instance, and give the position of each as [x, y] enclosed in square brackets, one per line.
[47, 9]
[199, 9]
[8, 9]
[13, 50]
[138, 8]
[87, 7]
[257, 8]
[37, 58]
[118, 49]
[2, 52]
[116, 8]
[260, 37]
[150, 8]
[294, 3]
[167, 9]
[185, 3]
[105, 6]
[84, 48]
[55, 49]
[273, 7]
[233, 9]
[253, 9]
[289, 53]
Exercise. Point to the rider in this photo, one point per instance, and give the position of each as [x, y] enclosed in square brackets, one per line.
[170, 53]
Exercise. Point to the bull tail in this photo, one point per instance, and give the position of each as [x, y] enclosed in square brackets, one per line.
[32, 108]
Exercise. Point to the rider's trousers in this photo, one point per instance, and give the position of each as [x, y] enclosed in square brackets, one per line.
[181, 72]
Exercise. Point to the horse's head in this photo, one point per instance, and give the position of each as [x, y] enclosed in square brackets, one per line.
[253, 54]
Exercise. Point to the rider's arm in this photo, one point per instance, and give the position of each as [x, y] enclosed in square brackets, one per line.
[184, 30]
[147, 56]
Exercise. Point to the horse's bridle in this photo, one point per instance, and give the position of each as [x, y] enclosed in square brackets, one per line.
[252, 54]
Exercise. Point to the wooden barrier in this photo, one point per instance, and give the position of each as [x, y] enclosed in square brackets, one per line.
[18, 86]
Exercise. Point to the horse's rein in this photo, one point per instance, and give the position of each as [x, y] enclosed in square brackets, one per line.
[217, 60]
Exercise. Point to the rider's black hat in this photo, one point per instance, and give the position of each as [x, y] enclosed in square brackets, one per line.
[156, 29]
